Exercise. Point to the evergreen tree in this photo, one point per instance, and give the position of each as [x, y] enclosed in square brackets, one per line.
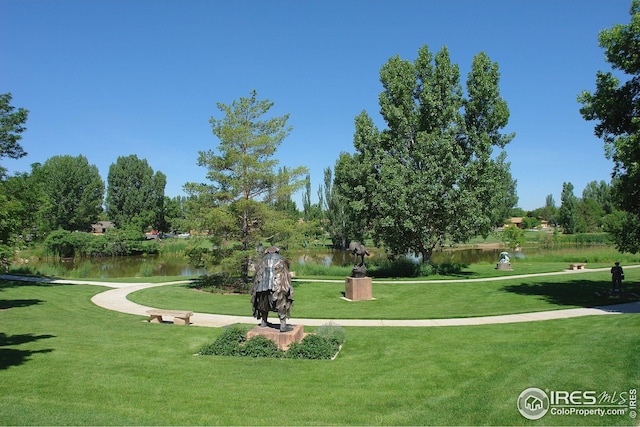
[235, 209]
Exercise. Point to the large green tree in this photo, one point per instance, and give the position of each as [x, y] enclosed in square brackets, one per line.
[135, 194]
[11, 127]
[25, 196]
[600, 193]
[567, 213]
[21, 202]
[549, 211]
[614, 105]
[431, 176]
[336, 209]
[12, 123]
[237, 208]
[74, 193]
[346, 207]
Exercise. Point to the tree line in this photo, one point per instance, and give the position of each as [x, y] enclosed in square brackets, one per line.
[68, 193]
[594, 212]
[436, 174]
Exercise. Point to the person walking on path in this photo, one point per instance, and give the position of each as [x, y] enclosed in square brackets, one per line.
[617, 274]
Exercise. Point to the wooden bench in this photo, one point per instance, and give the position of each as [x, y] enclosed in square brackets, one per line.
[179, 317]
[577, 266]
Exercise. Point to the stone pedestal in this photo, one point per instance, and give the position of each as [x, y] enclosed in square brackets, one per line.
[282, 339]
[358, 288]
[503, 266]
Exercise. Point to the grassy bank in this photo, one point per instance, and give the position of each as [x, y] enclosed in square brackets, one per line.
[64, 361]
[404, 300]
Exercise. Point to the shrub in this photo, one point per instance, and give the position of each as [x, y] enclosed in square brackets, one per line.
[324, 344]
[228, 343]
[448, 268]
[313, 347]
[406, 267]
[401, 267]
[66, 244]
[333, 333]
[220, 282]
[6, 254]
[260, 346]
[586, 238]
[58, 243]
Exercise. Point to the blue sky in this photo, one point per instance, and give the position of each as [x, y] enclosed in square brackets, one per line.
[113, 78]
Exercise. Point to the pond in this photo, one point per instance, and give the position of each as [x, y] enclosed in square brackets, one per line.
[176, 265]
[113, 267]
[341, 258]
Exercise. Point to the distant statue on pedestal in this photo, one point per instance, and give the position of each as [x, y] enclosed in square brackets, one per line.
[358, 250]
[503, 262]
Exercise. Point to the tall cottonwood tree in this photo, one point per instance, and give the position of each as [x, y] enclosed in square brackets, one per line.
[614, 105]
[306, 199]
[567, 213]
[74, 193]
[235, 208]
[431, 176]
[342, 225]
[135, 194]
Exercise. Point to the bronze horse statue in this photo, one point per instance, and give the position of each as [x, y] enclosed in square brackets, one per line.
[272, 290]
[358, 250]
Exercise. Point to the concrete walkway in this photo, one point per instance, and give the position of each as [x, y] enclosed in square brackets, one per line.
[116, 299]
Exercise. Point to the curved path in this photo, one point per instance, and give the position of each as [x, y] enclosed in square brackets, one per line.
[116, 299]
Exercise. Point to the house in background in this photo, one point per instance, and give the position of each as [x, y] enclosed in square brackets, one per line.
[101, 227]
[517, 221]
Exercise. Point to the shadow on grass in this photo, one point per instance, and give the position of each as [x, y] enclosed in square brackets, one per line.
[582, 293]
[16, 357]
[9, 281]
[18, 303]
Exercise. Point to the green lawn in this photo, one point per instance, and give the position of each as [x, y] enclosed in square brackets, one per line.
[403, 300]
[64, 361]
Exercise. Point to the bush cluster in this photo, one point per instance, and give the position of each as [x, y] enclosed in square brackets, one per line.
[220, 282]
[66, 244]
[227, 344]
[443, 269]
[400, 267]
[585, 238]
[324, 344]
[405, 267]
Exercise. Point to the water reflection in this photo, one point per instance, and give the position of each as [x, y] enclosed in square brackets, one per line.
[344, 258]
[472, 256]
[114, 267]
[147, 266]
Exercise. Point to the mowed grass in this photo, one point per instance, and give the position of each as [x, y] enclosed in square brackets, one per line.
[64, 361]
[405, 300]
